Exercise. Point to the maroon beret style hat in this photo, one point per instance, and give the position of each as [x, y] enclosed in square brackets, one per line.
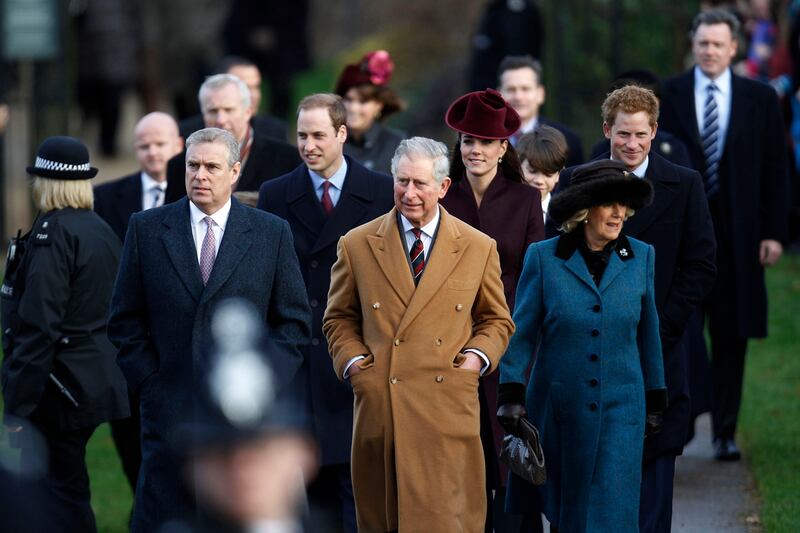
[483, 114]
[375, 68]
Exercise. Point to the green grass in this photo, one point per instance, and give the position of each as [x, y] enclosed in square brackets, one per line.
[770, 419]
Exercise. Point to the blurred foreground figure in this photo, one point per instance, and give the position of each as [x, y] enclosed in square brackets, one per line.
[60, 380]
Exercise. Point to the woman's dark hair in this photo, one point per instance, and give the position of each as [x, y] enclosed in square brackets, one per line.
[392, 103]
[510, 165]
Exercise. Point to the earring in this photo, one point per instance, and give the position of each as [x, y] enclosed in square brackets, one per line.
[499, 160]
[585, 220]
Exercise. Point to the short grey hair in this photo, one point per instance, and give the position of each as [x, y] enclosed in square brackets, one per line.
[219, 81]
[427, 148]
[215, 135]
[716, 16]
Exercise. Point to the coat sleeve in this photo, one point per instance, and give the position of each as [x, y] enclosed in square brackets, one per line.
[41, 311]
[342, 323]
[528, 320]
[696, 266]
[289, 315]
[127, 322]
[650, 342]
[491, 319]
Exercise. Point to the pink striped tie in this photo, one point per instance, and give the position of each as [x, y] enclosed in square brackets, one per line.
[208, 253]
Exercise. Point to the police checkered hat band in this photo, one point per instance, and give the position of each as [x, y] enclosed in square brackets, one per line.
[64, 158]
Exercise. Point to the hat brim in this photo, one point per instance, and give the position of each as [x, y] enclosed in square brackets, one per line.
[458, 119]
[630, 191]
[62, 174]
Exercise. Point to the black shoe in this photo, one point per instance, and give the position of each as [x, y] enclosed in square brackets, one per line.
[725, 450]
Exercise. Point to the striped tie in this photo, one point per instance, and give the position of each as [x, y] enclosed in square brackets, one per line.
[208, 252]
[711, 142]
[417, 256]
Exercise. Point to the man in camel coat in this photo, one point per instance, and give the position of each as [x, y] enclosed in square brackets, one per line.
[416, 313]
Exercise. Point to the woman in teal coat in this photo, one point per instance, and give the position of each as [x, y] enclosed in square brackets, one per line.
[585, 311]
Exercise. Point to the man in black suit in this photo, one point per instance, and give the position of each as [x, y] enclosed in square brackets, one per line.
[679, 226]
[178, 263]
[519, 80]
[156, 140]
[734, 132]
[226, 104]
[248, 72]
[322, 200]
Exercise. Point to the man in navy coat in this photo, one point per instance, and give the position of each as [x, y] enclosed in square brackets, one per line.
[679, 226]
[354, 196]
[179, 261]
[733, 129]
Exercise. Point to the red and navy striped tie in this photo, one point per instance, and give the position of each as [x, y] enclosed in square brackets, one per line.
[417, 256]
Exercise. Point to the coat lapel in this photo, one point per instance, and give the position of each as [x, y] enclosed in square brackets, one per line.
[685, 105]
[447, 251]
[235, 244]
[353, 203]
[616, 263]
[180, 247]
[577, 266]
[741, 109]
[665, 187]
[303, 203]
[391, 257]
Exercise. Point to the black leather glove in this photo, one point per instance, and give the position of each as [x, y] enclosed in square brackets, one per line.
[653, 423]
[509, 414]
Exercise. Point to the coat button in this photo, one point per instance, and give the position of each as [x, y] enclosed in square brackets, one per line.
[595, 333]
[594, 357]
[314, 263]
[593, 382]
[397, 342]
[393, 380]
[596, 308]
[376, 305]
[438, 342]
[314, 302]
[459, 307]
[593, 406]
[439, 379]
[314, 342]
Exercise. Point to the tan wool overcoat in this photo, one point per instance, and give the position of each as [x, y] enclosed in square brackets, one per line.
[417, 462]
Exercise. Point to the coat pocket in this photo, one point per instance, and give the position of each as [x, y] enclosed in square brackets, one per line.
[461, 284]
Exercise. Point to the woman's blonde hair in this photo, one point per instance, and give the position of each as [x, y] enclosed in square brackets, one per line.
[50, 194]
[581, 216]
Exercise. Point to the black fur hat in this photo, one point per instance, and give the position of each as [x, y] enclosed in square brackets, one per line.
[598, 183]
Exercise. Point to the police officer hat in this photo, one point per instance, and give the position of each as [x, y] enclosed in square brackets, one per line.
[62, 158]
[598, 183]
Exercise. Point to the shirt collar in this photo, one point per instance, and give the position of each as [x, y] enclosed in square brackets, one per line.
[530, 125]
[220, 217]
[723, 81]
[428, 229]
[148, 183]
[337, 180]
[641, 170]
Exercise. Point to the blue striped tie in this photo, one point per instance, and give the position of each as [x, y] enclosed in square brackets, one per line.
[711, 142]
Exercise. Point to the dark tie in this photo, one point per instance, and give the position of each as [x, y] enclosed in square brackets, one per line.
[208, 252]
[417, 256]
[156, 197]
[327, 203]
[710, 142]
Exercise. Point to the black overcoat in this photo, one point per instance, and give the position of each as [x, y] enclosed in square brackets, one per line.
[679, 227]
[160, 322]
[365, 196]
[116, 201]
[752, 203]
[376, 149]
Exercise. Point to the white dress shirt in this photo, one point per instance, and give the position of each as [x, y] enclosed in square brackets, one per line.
[199, 226]
[545, 205]
[336, 181]
[149, 187]
[641, 170]
[723, 98]
[427, 232]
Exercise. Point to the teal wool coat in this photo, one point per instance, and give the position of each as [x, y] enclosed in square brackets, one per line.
[598, 352]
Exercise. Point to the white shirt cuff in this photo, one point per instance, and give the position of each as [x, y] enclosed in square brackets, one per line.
[346, 373]
[486, 362]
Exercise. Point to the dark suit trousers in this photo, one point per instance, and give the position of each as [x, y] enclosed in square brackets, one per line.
[65, 483]
[330, 497]
[126, 433]
[655, 506]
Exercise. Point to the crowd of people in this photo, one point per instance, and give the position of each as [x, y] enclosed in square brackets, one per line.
[399, 307]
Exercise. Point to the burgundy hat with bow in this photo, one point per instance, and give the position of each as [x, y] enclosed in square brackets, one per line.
[483, 114]
[375, 68]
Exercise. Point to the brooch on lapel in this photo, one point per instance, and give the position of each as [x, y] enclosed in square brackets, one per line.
[623, 252]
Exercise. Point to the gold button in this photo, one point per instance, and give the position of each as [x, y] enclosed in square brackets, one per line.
[376, 305]
[438, 342]
[459, 307]
[393, 380]
[439, 379]
[397, 342]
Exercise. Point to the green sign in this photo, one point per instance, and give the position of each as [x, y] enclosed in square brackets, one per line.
[30, 29]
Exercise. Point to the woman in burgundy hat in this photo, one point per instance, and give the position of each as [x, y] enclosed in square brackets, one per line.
[489, 193]
[369, 101]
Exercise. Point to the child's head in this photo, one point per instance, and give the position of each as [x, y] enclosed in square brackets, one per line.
[543, 153]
